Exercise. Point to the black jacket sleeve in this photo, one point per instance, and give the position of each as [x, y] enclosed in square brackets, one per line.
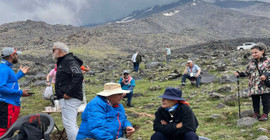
[75, 85]
[189, 121]
[168, 129]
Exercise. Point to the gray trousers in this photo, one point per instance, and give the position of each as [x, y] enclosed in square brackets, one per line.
[69, 110]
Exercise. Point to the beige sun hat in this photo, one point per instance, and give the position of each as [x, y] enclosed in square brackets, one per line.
[111, 89]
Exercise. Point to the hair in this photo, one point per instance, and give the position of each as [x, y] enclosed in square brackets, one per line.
[260, 47]
[62, 46]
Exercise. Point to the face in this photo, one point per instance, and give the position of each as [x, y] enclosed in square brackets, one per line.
[256, 54]
[116, 98]
[126, 75]
[55, 53]
[167, 103]
[15, 58]
[189, 64]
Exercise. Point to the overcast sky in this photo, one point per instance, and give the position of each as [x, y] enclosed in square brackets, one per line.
[74, 12]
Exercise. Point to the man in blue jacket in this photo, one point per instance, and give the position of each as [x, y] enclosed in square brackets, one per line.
[104, 116]
[127, 83]
[9, 88]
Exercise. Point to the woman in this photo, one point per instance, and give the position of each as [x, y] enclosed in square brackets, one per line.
[127, 83]
[257, 71]
[104, 116]
[174, 120]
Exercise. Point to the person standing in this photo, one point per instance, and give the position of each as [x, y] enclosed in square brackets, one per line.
[257, 71]
[168, 54]
[52, 74]
[127, 83]
[136, 60]
[68, 86]
[10, 92]
[192, 72]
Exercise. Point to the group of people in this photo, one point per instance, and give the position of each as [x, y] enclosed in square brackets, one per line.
[104, 116]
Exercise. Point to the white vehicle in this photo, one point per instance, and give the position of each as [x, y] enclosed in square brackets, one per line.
[247, 45]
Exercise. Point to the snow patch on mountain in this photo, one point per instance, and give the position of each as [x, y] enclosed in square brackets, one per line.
[170, 13]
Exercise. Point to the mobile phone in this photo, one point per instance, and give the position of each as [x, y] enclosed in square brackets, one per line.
[30, 93]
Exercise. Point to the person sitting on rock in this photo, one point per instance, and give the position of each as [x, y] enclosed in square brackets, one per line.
[104, 116]
[192, 72]
[174, 120]
[127, 83]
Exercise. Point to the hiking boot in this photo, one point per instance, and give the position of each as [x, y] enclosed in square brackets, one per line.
[198, 86]
[183, 84]
[129, 105]
[264, 117]
[256, 116]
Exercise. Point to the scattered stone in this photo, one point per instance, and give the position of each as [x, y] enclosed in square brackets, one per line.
[228, 100]
[262, 130]
[149, 106]
[216, 95]
[215, 116]
[228, 79]
[247, 113]
[262, 138]
[224, 89]
[246, 122]
[154, 88]
[154, 65]
[220, 105]
[207, 78]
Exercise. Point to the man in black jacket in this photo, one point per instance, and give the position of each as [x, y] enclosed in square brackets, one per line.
[174, 120]
[68, 86]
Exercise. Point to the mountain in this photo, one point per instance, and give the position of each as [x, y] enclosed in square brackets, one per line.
[181, 26]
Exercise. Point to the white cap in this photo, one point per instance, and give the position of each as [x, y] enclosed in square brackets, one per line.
[7, 51]
[189, 61]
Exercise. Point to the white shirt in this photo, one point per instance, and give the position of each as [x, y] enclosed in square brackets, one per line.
[133, 59]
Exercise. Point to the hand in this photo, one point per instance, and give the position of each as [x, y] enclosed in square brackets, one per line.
[24, 69]
[66, 96]
[263, 77]
[196, 75]
[236, 74]
[124, 94]
[86, 69]
[179, 125]
[163, 122]
[25, 94]
[130, 131]
[49, 83]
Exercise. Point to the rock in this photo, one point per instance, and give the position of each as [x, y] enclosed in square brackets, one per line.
[154, 65]
[215, 116]
[40, 83]
[262, 138]
[224, 89]
[262, 130]
[149, 106]
[247, 113]
[173, 76]
[40, 76]
[154, 88]
[228, 100]
[137, 94]
[228, 79]
[220, 105]
[207, 78]
[216, 95]
[137, 78]
[246, 122]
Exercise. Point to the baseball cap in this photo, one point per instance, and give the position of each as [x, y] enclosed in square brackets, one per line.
[189, 61]
[7, 51]
[125, 71]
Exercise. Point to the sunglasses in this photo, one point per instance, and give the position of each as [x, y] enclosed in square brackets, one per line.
[54, 49]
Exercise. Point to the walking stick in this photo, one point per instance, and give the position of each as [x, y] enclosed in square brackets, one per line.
[239, 106]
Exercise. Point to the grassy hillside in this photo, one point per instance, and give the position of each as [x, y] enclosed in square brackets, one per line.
[147, 101]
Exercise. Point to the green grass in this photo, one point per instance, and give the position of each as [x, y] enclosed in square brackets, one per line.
[223, 128]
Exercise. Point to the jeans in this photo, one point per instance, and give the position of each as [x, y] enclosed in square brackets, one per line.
[187, 136]
[168, 58]
[129, 97]
[265, 102]
[186, 76]
[69, 112]
[136, 66]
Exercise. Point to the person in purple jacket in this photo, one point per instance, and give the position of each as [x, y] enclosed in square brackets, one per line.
[10, 92]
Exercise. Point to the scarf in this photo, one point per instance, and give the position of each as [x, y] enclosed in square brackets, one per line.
[171, 109]
[126, 81]
[183, 102]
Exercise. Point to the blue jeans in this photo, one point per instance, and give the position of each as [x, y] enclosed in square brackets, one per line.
[136, 66]
[187, 136]
[129, 97]
[186, 76]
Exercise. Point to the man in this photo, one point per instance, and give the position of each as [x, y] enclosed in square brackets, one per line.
[68, 86]
[168, 54]
[127, 83]
[9, 88]
[104, 116]
[192, 72]
[136, 60]
[174, 120]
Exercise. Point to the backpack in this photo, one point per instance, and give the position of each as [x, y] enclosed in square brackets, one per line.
[138, 58]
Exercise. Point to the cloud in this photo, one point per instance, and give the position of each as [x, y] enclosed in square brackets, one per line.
[74, 12]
